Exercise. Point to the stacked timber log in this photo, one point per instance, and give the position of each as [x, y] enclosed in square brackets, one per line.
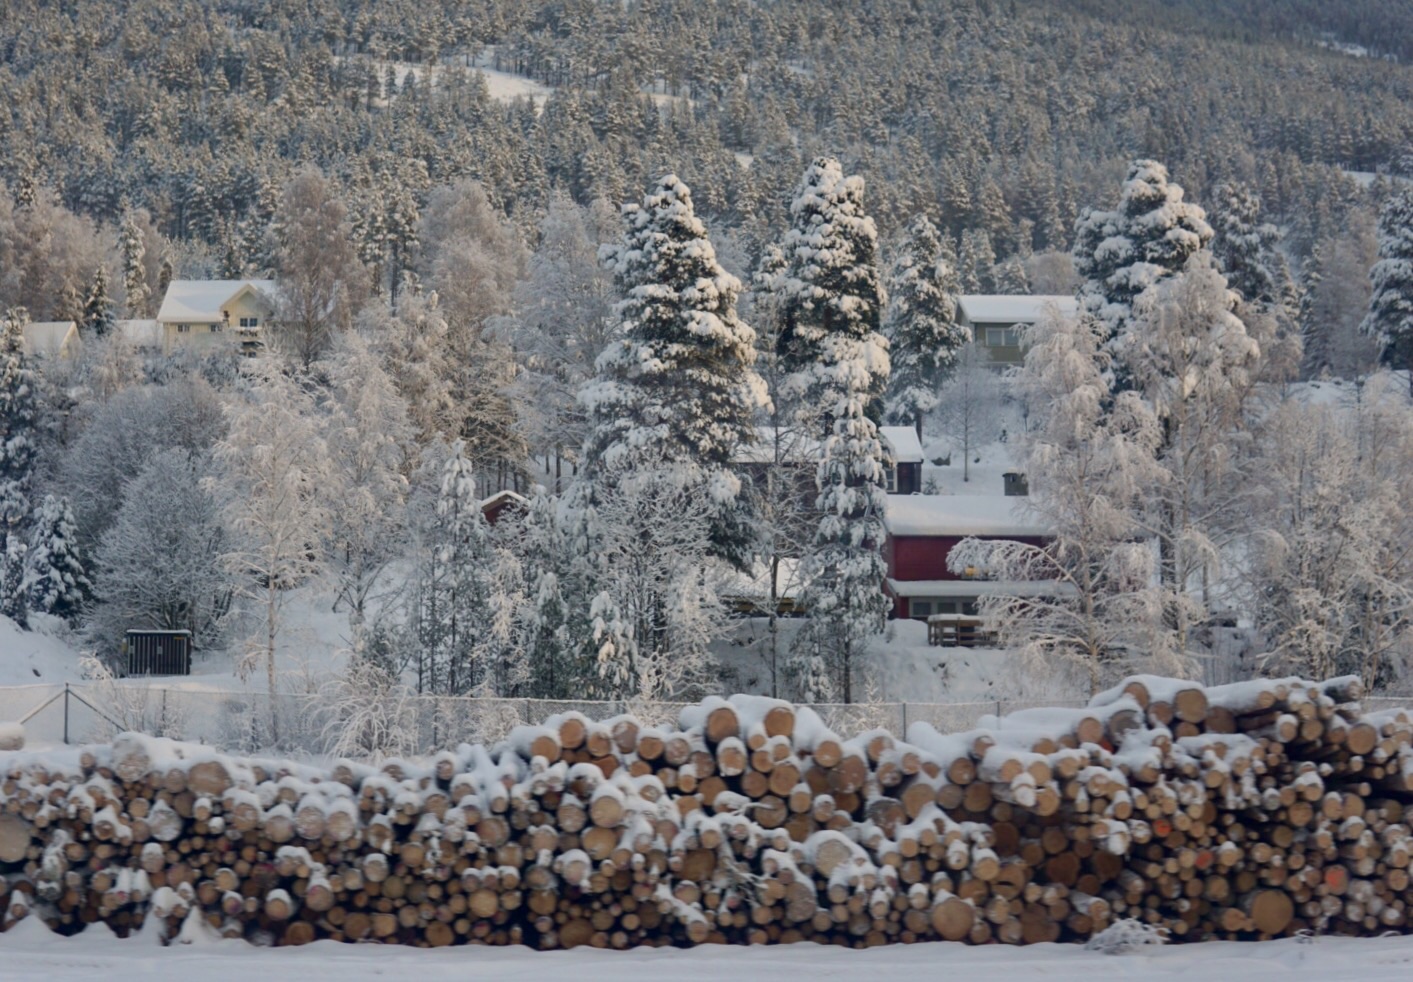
[1247, 811]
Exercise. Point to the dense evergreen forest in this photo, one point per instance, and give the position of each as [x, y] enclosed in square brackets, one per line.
[1003, 117]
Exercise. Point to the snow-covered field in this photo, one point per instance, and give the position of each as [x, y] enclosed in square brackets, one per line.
[31, 952]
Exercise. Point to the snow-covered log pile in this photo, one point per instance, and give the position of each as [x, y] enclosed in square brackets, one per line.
[1244, 811]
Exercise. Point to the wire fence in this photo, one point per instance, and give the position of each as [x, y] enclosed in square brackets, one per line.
[404, 724]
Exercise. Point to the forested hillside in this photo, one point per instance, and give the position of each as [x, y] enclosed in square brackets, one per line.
[994, 113]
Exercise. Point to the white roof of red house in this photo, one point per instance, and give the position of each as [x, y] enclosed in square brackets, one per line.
[902, 444]
[1013, 309]
[201, 301]
[936, 515]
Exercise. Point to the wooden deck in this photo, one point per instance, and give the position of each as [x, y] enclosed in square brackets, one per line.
[958, 631]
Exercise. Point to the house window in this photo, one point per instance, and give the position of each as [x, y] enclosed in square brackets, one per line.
[891, 479]
[249, 322]
[183, 328]
[1002, 337]
[215, 328]
[924, 607]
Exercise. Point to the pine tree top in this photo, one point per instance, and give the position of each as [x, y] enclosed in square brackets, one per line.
[677, 384]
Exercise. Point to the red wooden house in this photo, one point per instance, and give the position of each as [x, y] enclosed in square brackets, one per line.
[923, 529]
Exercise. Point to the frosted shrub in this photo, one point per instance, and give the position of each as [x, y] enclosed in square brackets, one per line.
[1125, 936]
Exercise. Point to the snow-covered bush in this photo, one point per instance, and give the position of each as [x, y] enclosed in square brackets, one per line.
[1125, 936]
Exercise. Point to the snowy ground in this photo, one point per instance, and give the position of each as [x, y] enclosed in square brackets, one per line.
[31, 952]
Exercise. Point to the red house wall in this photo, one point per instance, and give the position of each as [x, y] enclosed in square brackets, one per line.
[924, 557]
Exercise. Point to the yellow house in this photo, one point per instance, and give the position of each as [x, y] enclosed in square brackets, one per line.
[51, 339]
[997, 322]
[206, 314]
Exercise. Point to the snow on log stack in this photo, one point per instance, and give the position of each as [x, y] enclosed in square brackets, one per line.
[1246, 811]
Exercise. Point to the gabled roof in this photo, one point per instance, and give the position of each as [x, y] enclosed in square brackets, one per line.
[49, 338]
[902, 444]
[1012, 309]
[201, 300]
[960, 515]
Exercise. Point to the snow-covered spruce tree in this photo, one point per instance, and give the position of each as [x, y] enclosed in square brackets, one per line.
[921, 325]
[1390, 319]
[98, 316]
[830, 300]
[1244, 245]
[1120, 253]
[18, 451]
[1089, 462]
[54, 576]
[829, 297]
[130, 243]
[676, 394]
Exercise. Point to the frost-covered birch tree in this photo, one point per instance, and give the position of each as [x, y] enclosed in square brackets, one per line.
[1085, 609]
[369, 439]
[1192, 362]
[1328, 570]
[272, 477]
[159, 562]
[561, 323]
[921, 324]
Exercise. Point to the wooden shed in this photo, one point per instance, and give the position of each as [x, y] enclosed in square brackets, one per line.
[157, 652]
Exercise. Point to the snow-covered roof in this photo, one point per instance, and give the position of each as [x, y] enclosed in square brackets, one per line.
[506, 497]
[142, 333]
[201, 301]
[1012, 309]
[49, 339]
[978, 588]
[959, 514]
[903, 444]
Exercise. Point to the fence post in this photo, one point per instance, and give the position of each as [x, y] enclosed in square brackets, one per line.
[66, 712]
[904, 734]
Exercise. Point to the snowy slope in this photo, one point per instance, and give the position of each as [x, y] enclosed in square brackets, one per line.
[31, 952]
[34, 658]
